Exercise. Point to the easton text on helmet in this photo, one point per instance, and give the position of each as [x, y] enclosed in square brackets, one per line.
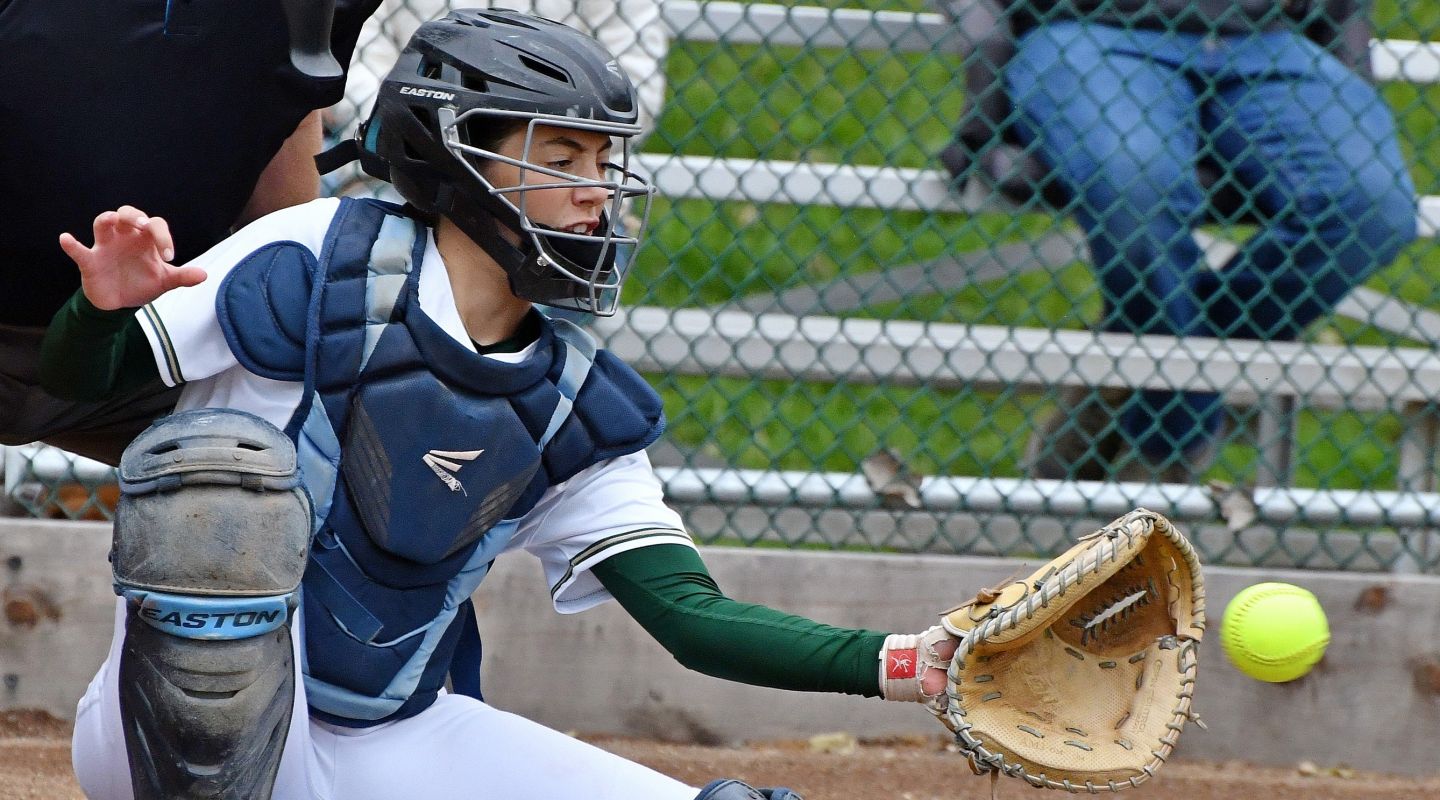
[435, 93]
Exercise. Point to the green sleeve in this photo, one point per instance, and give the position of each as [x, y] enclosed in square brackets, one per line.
[89, 354]
[667, 589]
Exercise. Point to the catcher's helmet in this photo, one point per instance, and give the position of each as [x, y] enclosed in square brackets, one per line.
[474, 74]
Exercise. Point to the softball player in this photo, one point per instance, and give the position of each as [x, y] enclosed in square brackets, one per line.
[374, 412]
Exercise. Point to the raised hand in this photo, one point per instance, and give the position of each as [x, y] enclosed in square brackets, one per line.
[128, 266]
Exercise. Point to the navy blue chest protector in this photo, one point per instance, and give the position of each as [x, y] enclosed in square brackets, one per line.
[421, 456]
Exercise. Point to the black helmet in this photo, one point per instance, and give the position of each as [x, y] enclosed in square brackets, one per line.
[472, 73]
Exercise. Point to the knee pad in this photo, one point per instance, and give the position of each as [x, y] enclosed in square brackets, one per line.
[211, 536]
[735, 790]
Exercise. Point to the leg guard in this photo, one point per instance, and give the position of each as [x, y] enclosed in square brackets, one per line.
[735, 790]
[211, 536]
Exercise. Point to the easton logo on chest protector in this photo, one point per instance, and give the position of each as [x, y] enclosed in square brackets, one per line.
[439, 462]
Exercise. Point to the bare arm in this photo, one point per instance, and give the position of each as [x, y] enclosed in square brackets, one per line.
[291, 178]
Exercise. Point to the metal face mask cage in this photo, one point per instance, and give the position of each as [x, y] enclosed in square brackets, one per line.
[586, 259]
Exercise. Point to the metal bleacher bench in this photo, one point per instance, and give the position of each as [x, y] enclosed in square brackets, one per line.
[744, 340]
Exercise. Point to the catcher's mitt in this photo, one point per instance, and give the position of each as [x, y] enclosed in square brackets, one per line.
[1081, 676]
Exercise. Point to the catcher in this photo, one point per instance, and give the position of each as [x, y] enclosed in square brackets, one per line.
[373, 411]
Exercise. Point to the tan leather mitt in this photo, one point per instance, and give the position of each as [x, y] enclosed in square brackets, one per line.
[1081, 676]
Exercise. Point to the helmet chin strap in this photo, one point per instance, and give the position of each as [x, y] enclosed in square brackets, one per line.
[599, 254]
[592, 259]
[529, 271]
[488, 229]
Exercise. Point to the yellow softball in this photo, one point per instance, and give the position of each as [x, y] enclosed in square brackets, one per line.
[1274, 632]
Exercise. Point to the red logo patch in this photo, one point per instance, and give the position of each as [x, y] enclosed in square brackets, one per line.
[900, 664]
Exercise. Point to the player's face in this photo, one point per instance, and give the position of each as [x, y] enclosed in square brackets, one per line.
[580, 153]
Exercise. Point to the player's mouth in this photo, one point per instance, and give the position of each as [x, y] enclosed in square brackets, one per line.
[586, 228]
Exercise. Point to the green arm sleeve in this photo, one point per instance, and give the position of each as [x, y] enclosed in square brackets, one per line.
[667, 589]
[89, 354]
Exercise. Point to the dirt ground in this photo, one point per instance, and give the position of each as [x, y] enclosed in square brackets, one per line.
[35, 765]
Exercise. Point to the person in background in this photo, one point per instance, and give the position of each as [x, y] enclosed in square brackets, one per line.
[1105, 109]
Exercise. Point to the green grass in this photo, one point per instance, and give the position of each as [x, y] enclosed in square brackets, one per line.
[876, 108]
[773, 424]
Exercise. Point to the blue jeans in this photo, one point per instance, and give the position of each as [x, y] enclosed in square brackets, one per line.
[1121, 116]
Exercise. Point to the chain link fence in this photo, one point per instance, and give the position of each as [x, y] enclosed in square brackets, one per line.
[974, 277]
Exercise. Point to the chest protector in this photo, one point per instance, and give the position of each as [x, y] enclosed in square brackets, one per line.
[421, 456]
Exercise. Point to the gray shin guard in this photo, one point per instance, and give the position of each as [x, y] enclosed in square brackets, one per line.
[211, 536]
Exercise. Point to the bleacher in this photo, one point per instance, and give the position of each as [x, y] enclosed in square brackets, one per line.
[726, 341]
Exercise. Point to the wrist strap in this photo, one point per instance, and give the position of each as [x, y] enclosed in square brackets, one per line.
[900, 667]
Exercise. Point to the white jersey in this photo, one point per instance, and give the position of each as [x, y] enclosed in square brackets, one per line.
[610, 508]
[457, 747]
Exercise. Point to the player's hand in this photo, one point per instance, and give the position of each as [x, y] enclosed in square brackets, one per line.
[129, 264]
[932, 681]
[913, 666]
